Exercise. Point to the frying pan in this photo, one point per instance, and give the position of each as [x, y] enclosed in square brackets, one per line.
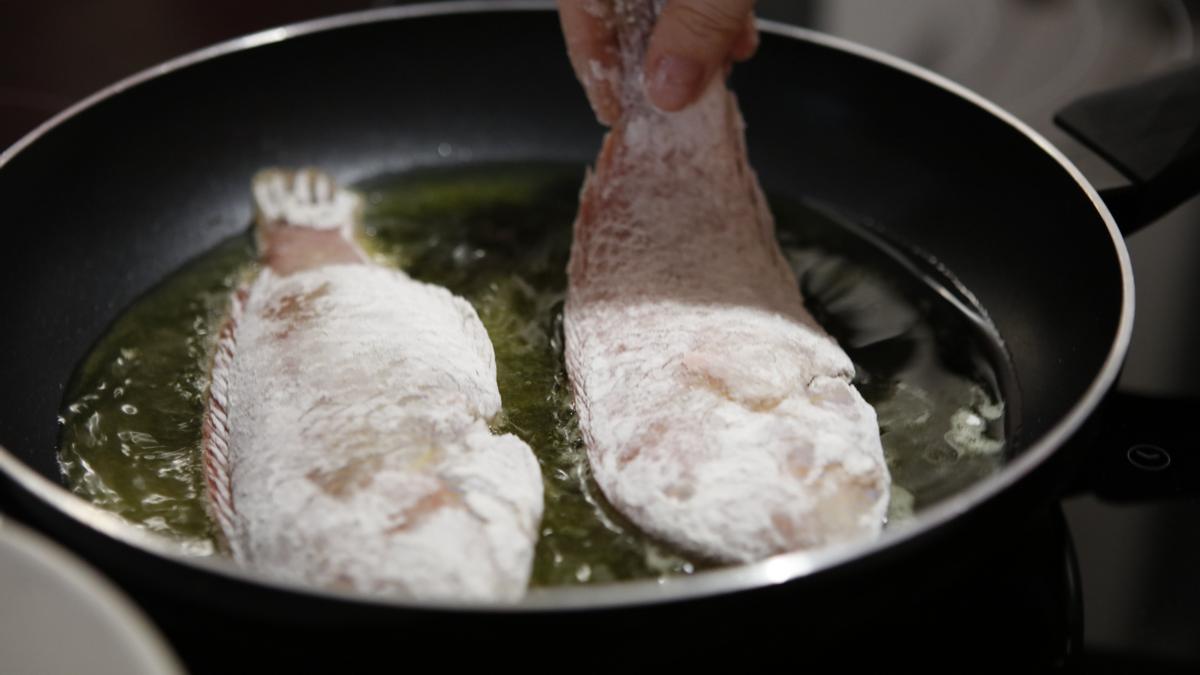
[114, 194]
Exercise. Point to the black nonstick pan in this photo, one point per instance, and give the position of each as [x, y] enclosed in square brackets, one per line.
[110, 197]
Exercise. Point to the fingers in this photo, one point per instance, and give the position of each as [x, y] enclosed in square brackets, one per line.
[692, 41]
[747, 42]
[592, 47]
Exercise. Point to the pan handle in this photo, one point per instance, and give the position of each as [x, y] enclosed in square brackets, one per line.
[1150, 132]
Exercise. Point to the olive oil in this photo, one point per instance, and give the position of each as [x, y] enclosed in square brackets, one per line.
[499, 235]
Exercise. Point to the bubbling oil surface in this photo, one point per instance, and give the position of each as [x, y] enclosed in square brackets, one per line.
[499, 235]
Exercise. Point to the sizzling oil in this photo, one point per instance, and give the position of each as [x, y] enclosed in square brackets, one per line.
[499, 235]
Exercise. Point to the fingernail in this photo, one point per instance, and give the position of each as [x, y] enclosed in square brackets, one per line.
[675, 81]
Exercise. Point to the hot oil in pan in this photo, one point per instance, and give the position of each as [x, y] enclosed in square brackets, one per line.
[499, 235]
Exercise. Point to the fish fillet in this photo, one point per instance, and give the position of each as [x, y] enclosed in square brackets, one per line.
[716, 412]
[346, 439]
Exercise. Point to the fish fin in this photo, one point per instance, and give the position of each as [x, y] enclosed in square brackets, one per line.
[215, 434]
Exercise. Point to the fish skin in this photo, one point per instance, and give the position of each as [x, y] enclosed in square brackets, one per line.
[717, 414]
[346, 438]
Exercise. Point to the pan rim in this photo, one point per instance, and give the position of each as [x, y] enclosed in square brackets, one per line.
[772, 571]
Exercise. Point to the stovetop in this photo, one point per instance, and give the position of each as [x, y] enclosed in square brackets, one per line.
[1128, 560]
[1134, 529]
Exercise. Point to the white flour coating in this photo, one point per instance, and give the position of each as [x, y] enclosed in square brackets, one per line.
[308, 198]
[349, 427]
[598, 73]
[717, 414]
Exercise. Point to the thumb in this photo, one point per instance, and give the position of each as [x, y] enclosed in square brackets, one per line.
[692, 41]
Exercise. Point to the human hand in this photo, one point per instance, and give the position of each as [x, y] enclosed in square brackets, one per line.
[693, 40]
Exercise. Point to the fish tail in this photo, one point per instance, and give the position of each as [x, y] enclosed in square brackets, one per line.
[304, 198]
[305, 220]
[633, 23]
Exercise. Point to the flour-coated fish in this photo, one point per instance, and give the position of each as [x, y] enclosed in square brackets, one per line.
[346, 439]
[717, 413]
